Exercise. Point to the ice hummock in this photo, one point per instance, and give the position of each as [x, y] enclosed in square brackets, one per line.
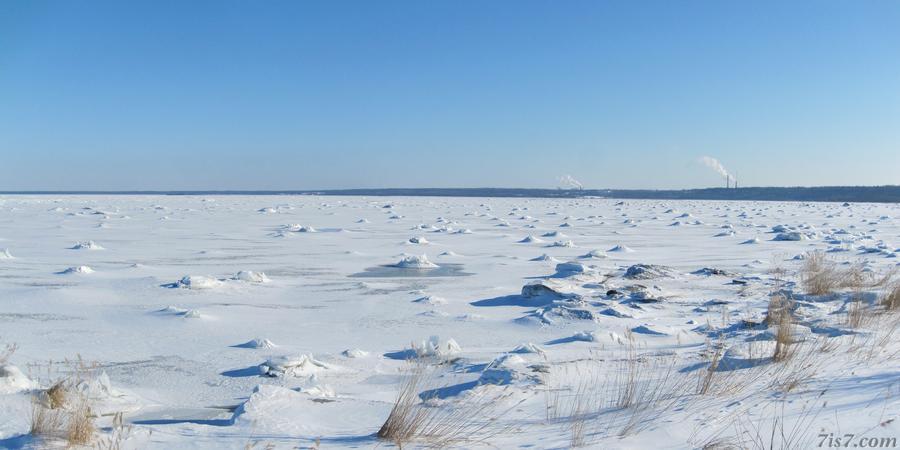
[416, 262]
[292, 366]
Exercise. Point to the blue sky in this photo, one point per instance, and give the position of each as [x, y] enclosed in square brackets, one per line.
[333, 94]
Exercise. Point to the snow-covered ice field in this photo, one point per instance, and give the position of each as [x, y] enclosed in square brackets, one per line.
[294, 321]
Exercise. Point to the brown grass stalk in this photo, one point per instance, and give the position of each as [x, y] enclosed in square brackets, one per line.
[471, 420]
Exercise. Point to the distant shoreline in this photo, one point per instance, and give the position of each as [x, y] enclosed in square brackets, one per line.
[873, 194]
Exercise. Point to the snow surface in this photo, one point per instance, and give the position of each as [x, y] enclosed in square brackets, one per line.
[180, 311]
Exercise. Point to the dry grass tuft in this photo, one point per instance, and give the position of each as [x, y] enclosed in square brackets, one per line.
[581, 412]
[818, 274]
[119, 433]
[471, 420]
[660, 387]
[886, 279]
[56, 395]
[855, 278]
[779, 305]
[781, 432]
[821, 275]
[603, 398]
[572, 407]
[891, 299]
[884, 328]
[627, 378]
[779, 315]
[81, 427]
[783, 338]
[708, 376]
[44, 421]
[406, 417]
[722, 443]
[62, 411]
[857, 312]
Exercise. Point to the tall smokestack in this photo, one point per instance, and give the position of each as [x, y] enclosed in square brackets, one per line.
[726, 181]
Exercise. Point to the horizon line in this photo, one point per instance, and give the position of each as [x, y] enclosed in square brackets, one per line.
[313, 191]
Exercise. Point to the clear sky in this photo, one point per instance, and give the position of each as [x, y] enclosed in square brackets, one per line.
[332, 94]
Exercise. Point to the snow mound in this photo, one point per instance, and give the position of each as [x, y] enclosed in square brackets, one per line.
[618, 311]
[545, 258]
[434, 347]
[572, 268]
[651, 329]
[508, 359]
[5, 254]
[171, 310]
[643, 294]
[560, 313]
[292, 366]
[297, 228]
[584, 336]
[470, 317]
[258, 343]
[416, 262]
[418, 240]
[250, 276]
[192, 314]
[431, 300]
[648, 271]
[77, 269]
[319, 391]
[280, 411]
[751, 241]
[594, 254]
[12, 380]
[88, 245]
[196, 282]
[544, 288]
[96, 388]
[528, 347]
[530, 239]
[621, 249]
[790, 236]
[265, 398]
[565, 244]
[185, 313]
[354, 353]
[710, 271]
[500, 376]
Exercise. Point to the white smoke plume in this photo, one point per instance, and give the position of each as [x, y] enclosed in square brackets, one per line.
[569, 182]
[714, 164]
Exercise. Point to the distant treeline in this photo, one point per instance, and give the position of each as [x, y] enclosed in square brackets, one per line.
[879, 194]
